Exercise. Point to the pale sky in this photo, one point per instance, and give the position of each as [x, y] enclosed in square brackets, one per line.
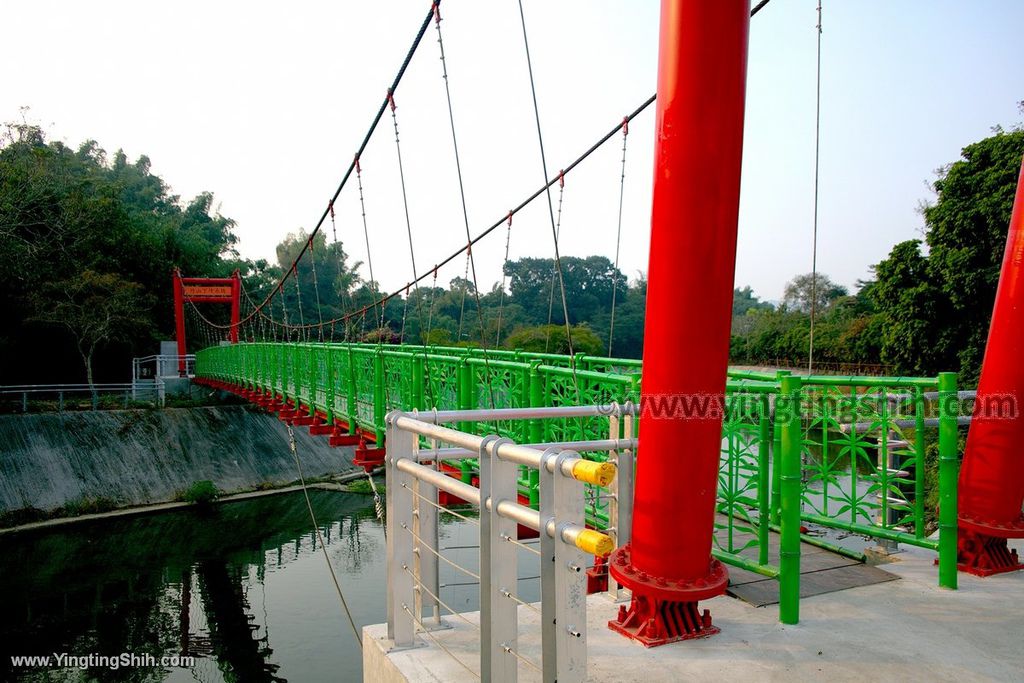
[264, 104]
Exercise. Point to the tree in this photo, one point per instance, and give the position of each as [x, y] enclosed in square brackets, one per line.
[64, 212]
[95, 308]
[966, 234]
[552, 339]
[937, 307]
[803, 289]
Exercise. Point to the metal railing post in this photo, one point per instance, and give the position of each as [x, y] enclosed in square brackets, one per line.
[425, 523]
[787, 412]
[399, 522]
[562, 579]
[620, 507]
[949, 472]
[499, 625]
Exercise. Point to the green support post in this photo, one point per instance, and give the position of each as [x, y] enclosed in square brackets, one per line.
[464, 391]
[329, 390]
[919, 464]
[353, 403]
[418, 376]
[787, 411]
[314, 377]
[763, 492]
[285, 356]
[776, 459]
[378, 395]
[536, 427]
[949, 471]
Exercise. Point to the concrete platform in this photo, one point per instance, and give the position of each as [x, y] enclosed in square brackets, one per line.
[894, 631]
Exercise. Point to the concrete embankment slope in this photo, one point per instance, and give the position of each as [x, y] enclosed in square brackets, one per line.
[147, 456]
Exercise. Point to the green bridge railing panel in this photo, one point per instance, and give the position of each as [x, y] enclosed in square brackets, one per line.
[858, 447]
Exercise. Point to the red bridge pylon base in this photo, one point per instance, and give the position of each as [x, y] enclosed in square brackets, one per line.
[654, 622]
[660, 611]
[984, 555]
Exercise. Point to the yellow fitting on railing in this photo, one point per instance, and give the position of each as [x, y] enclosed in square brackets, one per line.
[594, 542]
[590, 472]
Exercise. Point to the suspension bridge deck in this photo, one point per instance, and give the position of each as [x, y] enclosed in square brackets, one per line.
[901, 630]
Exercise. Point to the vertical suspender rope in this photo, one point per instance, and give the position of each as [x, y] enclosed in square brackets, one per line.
[462, 196]
[554, 266]
[618, 235]
[551, 211]
[814, 238]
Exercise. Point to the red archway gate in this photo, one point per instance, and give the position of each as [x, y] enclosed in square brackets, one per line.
[206, 290]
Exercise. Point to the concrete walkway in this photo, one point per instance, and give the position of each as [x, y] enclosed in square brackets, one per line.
[907, 630]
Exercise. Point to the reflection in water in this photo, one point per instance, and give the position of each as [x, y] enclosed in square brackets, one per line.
[240, 587]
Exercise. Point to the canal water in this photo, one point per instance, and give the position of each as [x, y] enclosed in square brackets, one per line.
[242, 587]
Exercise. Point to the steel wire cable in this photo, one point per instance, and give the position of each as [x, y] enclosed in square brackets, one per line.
[369, 133]
[316, 529]
[434, 551]
[618, 238]
[442, 603]
[487, 231]
[426, 631]
[814, 234]
[471, 262]
[316, 290]
[442, 508]
[551, 211]
[554, 273]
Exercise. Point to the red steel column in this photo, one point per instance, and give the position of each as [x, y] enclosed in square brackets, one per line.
[236, 292]
[179, 320]
[992, 475]
[702, 67]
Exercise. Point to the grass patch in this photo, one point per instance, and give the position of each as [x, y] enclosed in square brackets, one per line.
[363, 486]
[199, 493]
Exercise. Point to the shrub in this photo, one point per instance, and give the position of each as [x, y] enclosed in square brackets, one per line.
[200, 493]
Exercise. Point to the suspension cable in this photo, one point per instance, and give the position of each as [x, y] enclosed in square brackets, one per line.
[528, 200]
[504, 265]
[316, 529]
[366, 138]
[369, 257]
[554, 272]
[814, 236]
[551, 211]
[618, 236]
[316, 290]
[462, 197]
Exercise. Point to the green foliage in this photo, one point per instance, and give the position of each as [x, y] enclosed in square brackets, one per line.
[199, 493]
[552, 339]
[97, 237]
[937, 306]
[811, 288]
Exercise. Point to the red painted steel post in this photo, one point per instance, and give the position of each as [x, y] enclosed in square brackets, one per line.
[179, 320]
[702, 68]
[236, 292]
[992, 476]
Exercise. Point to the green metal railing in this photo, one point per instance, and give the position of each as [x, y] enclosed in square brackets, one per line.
[851, 451]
